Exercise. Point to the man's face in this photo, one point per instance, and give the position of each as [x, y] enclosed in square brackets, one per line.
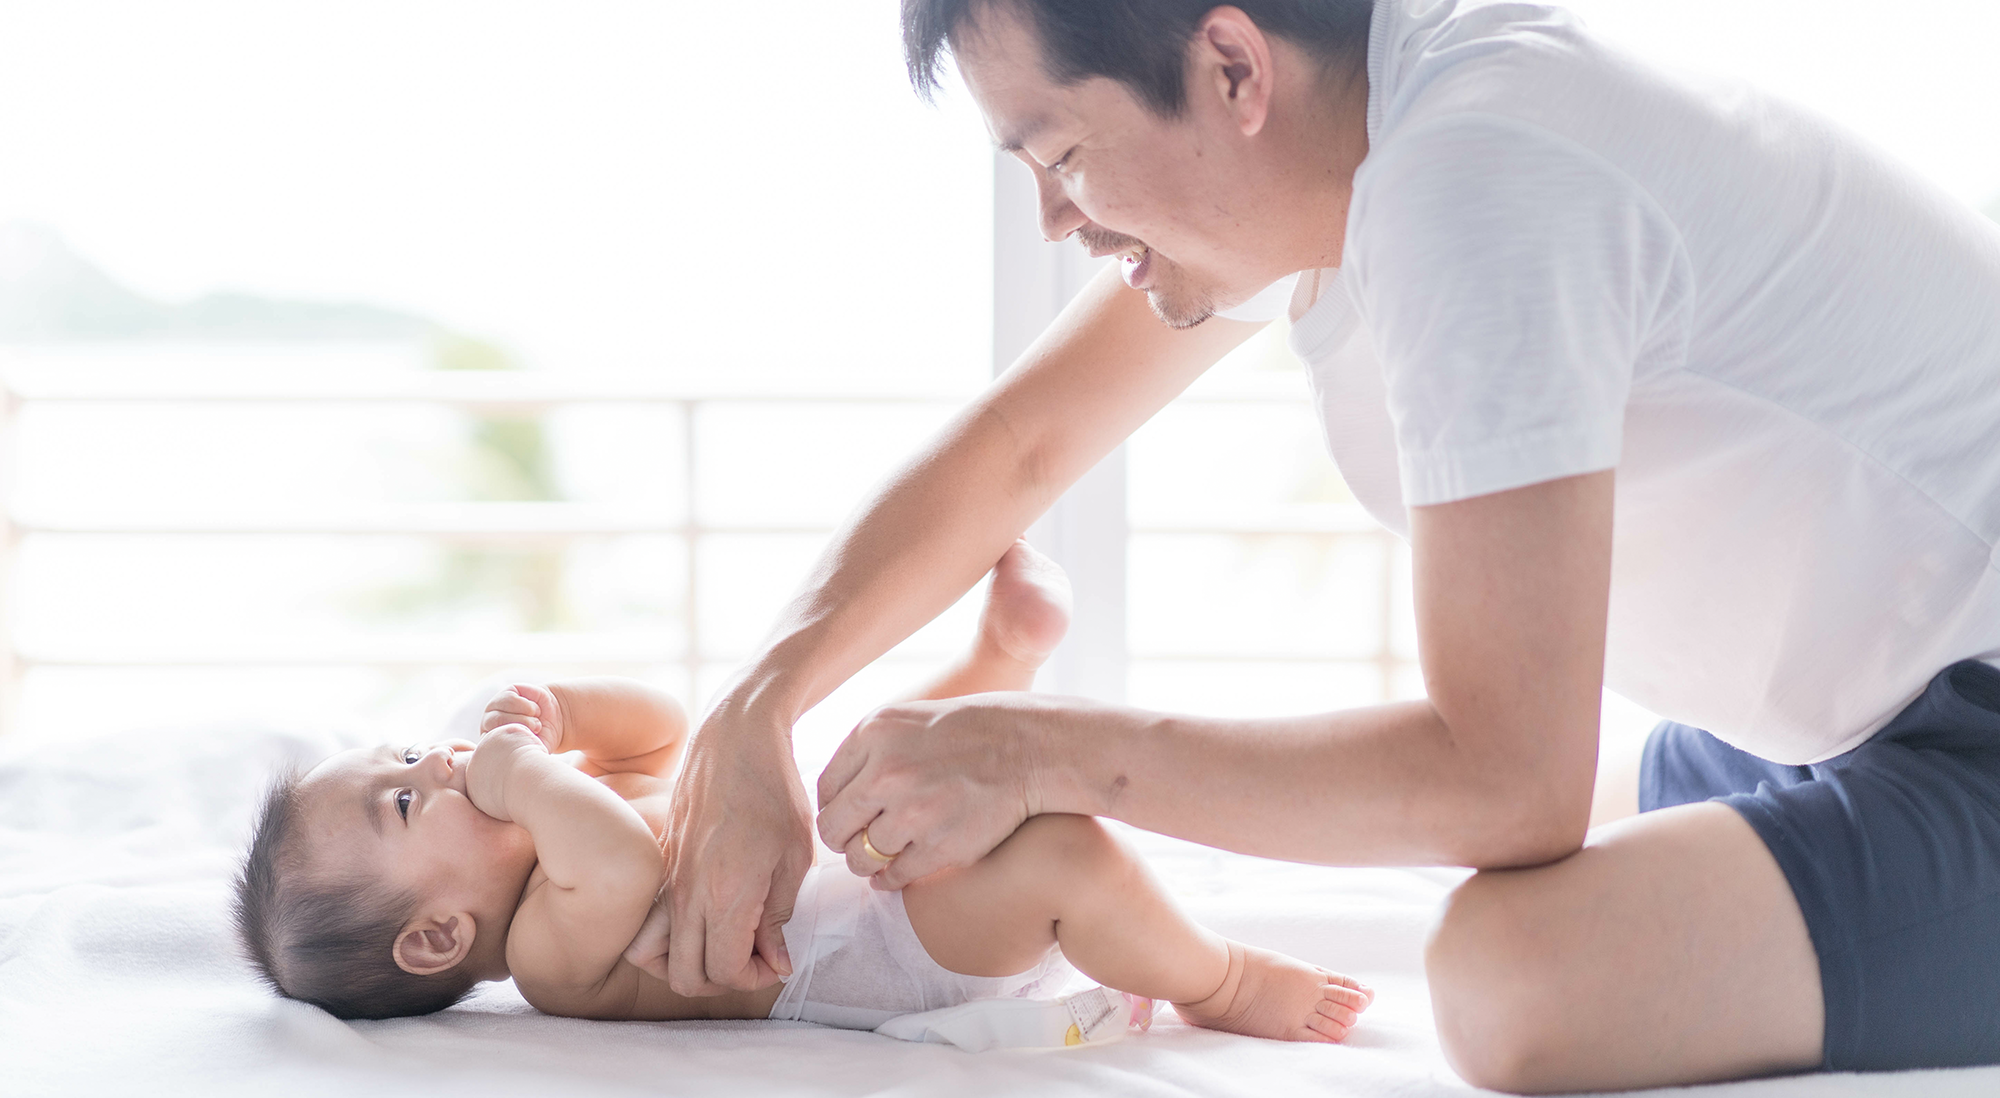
[1169, 197]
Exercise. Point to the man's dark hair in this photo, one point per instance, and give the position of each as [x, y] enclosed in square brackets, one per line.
[329, 943]
[1142, 44]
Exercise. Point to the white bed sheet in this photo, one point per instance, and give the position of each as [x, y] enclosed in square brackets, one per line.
[119, 975]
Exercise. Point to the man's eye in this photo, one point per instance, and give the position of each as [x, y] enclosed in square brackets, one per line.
[403, 803]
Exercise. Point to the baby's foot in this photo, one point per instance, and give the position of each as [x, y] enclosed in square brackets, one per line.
[1271, 995]
[1027, 606]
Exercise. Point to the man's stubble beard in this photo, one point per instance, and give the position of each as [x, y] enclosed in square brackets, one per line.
[1181, 315]
[1176, 314]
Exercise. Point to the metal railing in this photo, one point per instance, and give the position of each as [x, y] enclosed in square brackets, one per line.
[500, 523]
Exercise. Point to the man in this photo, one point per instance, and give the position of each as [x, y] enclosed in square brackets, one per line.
[1545, 287]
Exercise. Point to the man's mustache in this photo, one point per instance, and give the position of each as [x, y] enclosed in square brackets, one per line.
[1104, 241]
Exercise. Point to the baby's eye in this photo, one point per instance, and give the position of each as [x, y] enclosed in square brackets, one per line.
[403, 803]
[411, 755]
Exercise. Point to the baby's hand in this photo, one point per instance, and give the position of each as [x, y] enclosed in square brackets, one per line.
[493, 762]
[536, 707]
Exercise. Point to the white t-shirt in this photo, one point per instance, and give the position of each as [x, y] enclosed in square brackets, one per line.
[1561, 260]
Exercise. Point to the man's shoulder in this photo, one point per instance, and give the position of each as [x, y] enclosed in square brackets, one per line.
[1536, 65]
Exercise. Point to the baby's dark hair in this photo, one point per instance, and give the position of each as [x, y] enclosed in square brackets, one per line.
[330, 943]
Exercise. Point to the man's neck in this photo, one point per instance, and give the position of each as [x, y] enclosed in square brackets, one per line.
[1322, 131]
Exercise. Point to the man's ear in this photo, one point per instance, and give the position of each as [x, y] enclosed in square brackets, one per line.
[433, 943]
[1233, 59]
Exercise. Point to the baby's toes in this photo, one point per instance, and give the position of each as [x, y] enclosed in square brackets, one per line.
[1320, 1027]
[1349, 983]
[1345, 1015]
[1351, 998]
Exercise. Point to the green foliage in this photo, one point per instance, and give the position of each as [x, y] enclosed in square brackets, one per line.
[505, 458]
[452, 351]
[525, 584]
[508, 457]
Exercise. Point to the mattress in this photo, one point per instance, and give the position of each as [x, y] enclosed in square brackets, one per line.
[119, 974]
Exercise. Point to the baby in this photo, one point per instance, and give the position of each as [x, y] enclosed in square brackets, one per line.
[390, 881]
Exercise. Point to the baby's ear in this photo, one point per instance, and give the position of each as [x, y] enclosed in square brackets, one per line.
[431, 944]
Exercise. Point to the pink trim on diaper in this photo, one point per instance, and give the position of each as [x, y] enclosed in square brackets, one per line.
[1141, 1017]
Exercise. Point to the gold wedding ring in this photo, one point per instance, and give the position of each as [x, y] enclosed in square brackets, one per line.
[868, 848]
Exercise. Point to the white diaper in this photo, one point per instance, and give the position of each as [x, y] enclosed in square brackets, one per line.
[857, 964]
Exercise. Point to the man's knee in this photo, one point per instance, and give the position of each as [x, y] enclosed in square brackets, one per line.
[1493, 969]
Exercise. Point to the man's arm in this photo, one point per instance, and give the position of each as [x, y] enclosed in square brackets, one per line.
[1492, 769]
[742, 822]
[622, 726]
[599, 861]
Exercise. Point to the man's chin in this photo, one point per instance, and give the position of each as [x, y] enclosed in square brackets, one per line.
[1178, 312]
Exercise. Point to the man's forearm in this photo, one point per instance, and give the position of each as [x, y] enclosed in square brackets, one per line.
[1495, 768]
[1386, 785]
[1105, 367]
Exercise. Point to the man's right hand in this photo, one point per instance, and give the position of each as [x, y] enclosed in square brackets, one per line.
[738, 848]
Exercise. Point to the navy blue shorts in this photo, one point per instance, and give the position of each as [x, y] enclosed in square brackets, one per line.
[1893, 850]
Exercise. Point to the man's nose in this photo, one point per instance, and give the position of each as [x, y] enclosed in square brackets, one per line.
[1060, 217]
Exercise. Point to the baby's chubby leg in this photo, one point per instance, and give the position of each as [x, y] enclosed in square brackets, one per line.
[1067, 880]
[1025, 617]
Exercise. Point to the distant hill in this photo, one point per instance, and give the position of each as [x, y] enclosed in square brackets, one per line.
[49, 293]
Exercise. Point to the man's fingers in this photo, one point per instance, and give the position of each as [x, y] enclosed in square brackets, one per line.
[859, 861]
[778, 908]
[702, 956]
[730, 961]
[771, 951]
[687, 946]
[841, 820]
[847, 761]
[914, 863]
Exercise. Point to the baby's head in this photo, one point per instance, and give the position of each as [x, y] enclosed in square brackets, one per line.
[374, 889]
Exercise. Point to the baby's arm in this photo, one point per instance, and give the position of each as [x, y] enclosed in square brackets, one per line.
[620, 725]
[599, 870]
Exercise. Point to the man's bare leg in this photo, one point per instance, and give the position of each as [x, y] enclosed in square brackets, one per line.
[1668, 951]
[1068, 880]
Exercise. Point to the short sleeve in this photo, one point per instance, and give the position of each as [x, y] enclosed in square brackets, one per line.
[1510, 279]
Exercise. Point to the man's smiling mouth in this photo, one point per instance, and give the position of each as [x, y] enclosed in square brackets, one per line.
[1135, 265]
[1134, 256]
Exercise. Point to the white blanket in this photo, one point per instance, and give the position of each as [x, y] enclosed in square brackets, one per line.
[119, 975]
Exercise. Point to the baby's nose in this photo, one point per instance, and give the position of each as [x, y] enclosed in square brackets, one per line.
[437, 764]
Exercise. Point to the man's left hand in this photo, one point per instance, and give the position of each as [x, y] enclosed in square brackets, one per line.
[935, 784]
